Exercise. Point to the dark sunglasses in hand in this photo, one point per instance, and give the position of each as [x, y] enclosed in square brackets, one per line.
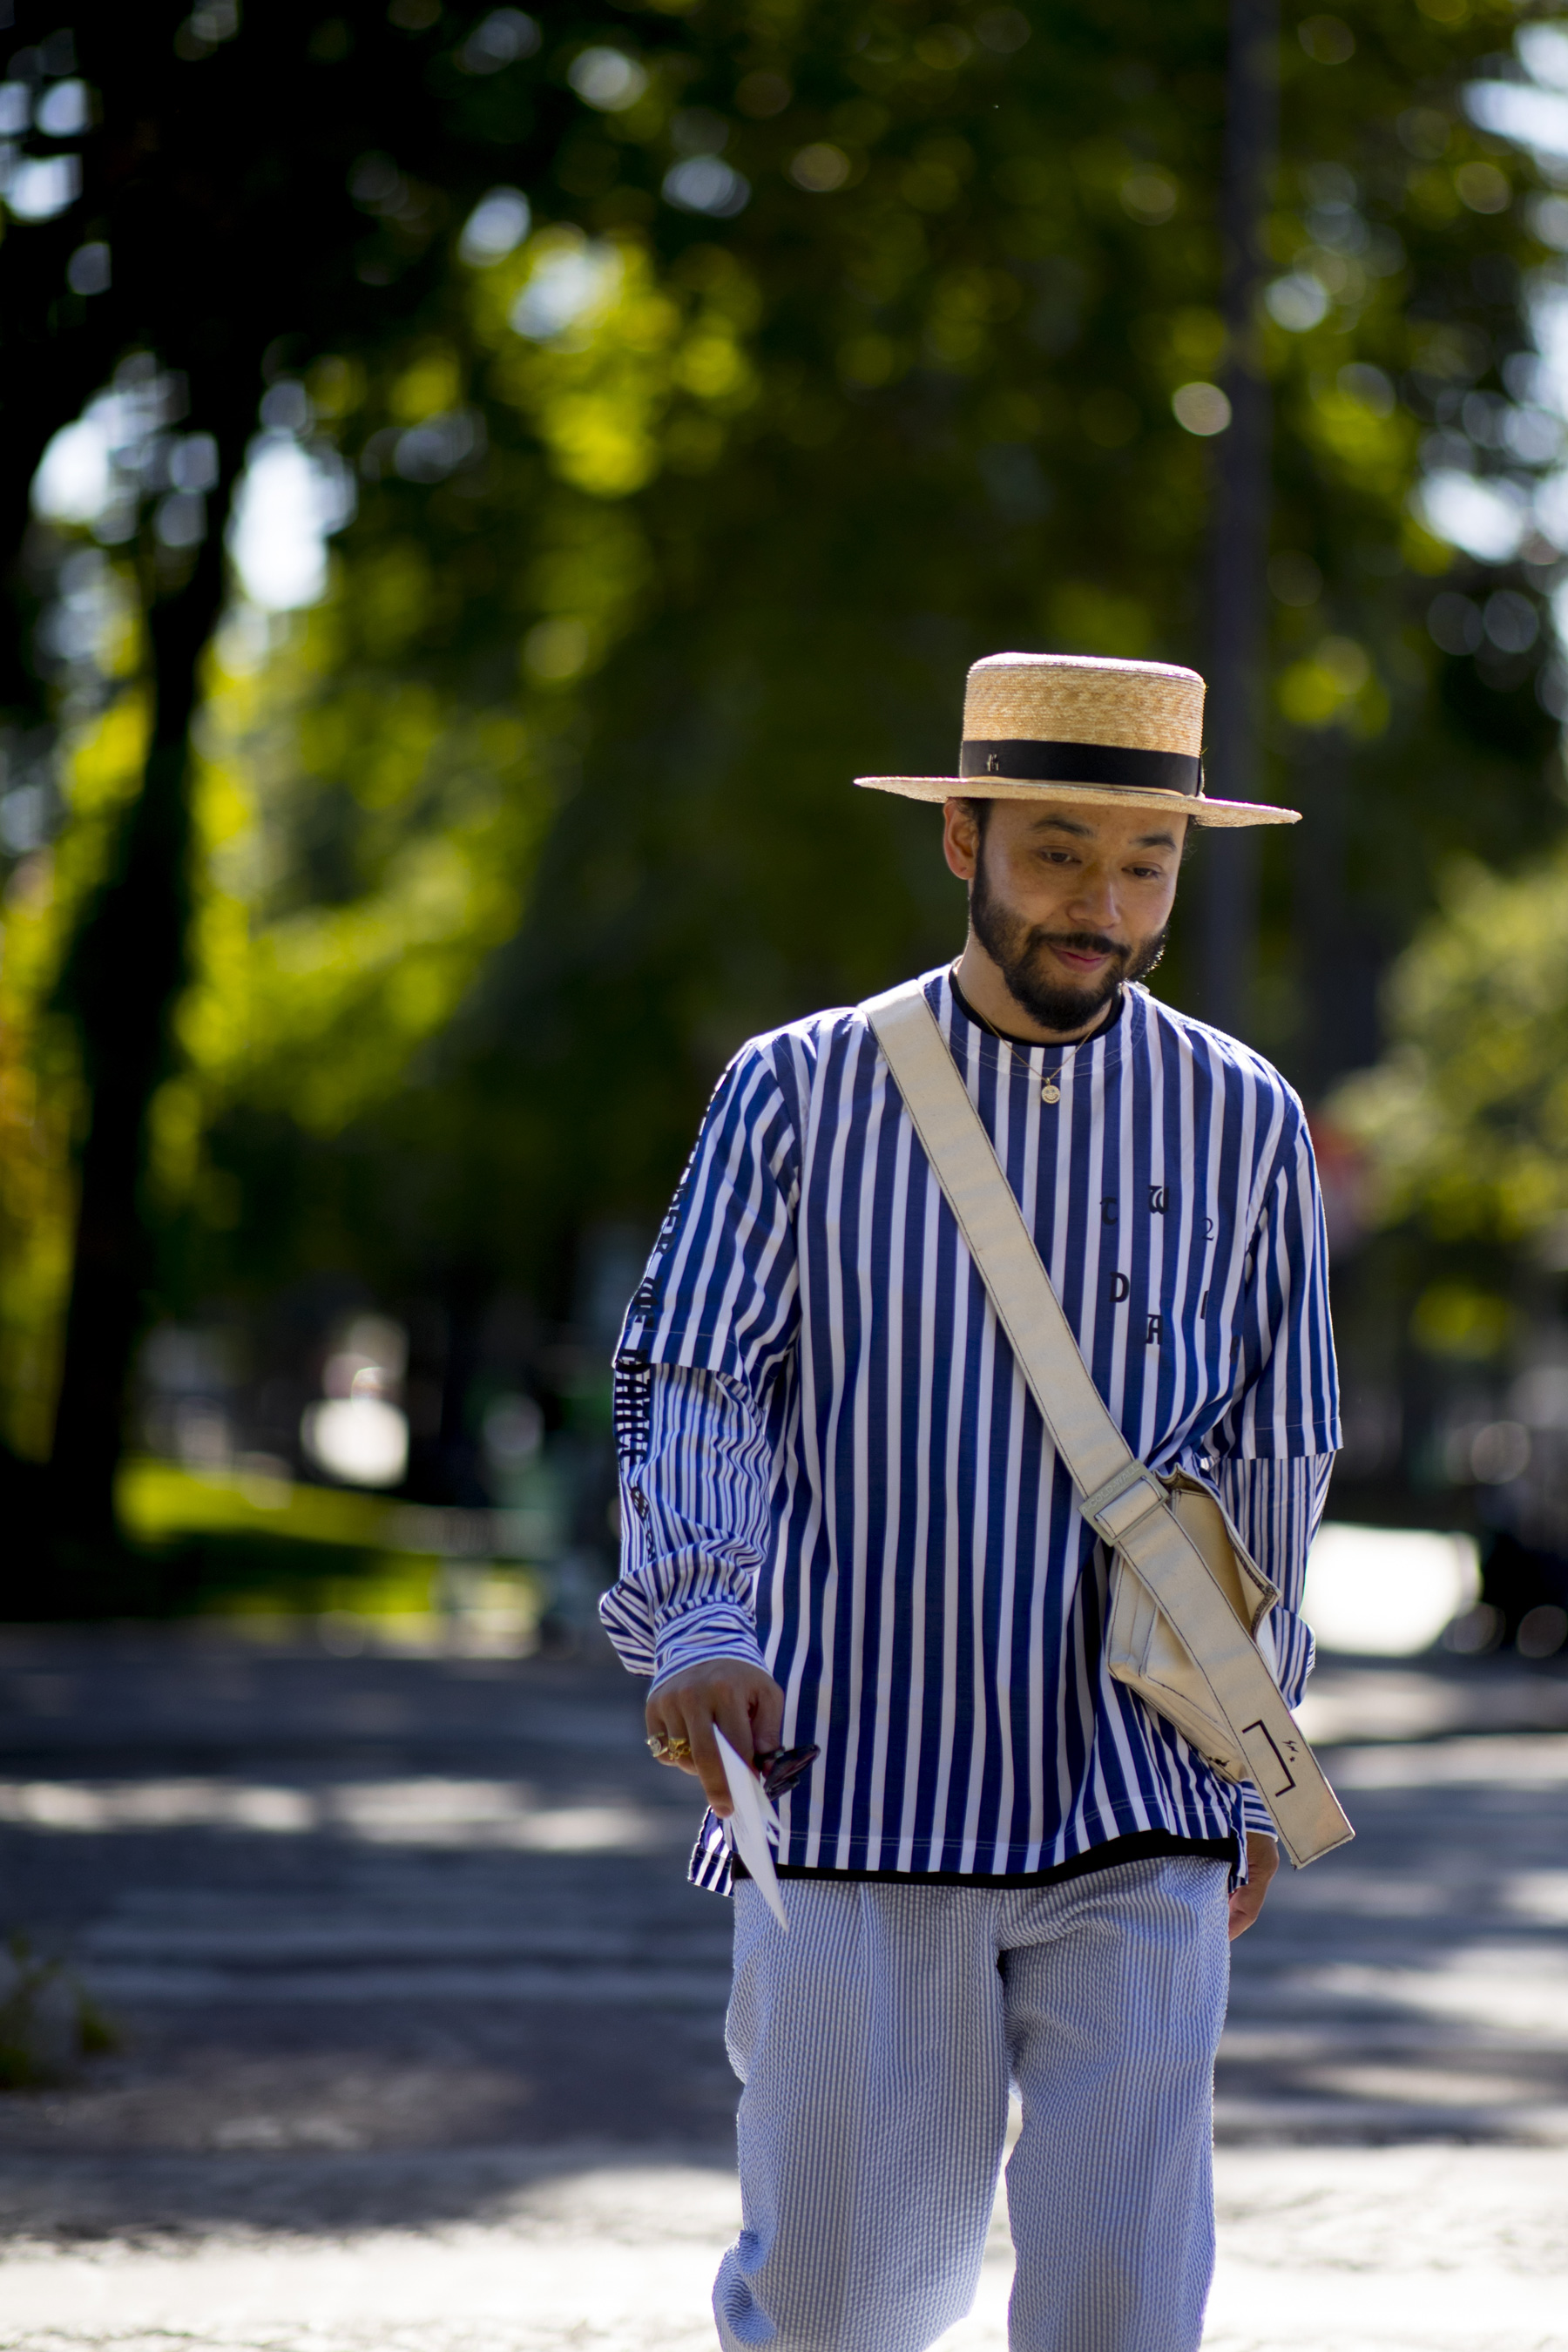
[781, 1767]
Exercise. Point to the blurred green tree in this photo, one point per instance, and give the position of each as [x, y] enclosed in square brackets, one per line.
[227, 210]
[760, 483]
[1452, 1155]
[793, 356]
[1465, 1119]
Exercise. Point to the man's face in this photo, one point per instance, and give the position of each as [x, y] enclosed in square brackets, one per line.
[1067, 898]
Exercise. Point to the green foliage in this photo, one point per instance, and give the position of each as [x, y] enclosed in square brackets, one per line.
[367, 839]
[742, 523]
[507, 845]
[46, 2021]
[1465, 1120]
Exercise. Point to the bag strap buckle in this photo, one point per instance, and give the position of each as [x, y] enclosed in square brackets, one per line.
[1116, 1507]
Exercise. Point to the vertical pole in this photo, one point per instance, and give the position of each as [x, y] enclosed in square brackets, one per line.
[1238, 549]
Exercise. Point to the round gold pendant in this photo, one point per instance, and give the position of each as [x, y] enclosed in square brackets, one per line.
[1049, 1093]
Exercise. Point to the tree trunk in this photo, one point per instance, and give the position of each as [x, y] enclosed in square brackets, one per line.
[1238, 551]
[1341, 950]
[124, 978]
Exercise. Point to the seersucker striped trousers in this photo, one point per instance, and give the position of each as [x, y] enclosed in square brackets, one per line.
[876, 2042]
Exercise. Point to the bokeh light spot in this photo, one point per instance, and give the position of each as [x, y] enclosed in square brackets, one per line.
[88, 270]
[820, 168]
[706, 183]
[1296, 302]
[498, 40]
[1201, 408]
[556, 650]
[496, 227]
[607, 79]
[1328, 40]
[63, 112]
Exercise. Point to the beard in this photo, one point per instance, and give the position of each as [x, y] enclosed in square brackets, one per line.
[1019, 950]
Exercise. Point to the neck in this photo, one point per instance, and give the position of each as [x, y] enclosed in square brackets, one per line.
[984, 989]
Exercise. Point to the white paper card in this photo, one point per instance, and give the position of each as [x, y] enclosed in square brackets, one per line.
[748, 1826]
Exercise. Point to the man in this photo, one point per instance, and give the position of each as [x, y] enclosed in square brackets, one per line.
[847, 1529]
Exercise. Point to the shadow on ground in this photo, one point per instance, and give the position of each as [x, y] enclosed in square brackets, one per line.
[398, 1941]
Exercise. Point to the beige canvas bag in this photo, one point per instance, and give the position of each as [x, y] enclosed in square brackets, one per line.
[1186, 1601]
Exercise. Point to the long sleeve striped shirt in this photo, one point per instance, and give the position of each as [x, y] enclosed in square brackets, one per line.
[831, 1463]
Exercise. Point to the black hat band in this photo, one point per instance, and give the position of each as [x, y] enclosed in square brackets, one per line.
[1115, 764]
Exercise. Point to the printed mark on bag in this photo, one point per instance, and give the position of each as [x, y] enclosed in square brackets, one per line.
[1284, 1763]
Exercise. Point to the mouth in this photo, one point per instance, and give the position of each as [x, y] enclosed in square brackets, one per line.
[1084, 959]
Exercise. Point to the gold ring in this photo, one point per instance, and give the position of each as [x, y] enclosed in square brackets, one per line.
[665, 1751]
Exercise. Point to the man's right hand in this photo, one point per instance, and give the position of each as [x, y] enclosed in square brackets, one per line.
[745, 1702]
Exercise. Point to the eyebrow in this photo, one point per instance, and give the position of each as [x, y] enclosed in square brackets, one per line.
[1086, 833]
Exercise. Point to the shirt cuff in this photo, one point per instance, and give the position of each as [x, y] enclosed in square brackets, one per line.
[1255, 1814]
[695, 1636]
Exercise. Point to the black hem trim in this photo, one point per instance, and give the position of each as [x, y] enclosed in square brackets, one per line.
[1140, 1845]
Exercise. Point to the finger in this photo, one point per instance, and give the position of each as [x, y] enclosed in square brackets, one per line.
[683, 1719]
[732, 1716]
[664, 1724]
[710, 1773]
[706, 1765]
[767, 1719]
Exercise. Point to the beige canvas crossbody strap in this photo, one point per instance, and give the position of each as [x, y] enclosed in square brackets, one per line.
[1121, 1499]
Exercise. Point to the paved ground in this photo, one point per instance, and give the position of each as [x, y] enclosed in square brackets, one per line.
[423, 2026]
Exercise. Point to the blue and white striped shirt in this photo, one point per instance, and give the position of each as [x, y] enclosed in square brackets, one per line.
[831, 1463]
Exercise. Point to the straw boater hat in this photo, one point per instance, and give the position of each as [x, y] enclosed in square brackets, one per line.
[1071, 727]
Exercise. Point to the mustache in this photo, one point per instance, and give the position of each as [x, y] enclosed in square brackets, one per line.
[1079, 943]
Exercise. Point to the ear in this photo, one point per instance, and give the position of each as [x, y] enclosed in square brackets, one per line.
[960, 839]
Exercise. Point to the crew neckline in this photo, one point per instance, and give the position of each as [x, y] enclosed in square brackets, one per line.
[1106, 1033]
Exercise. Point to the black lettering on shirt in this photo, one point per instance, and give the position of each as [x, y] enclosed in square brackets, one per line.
[1156, 1327]
[1119, 1286]
[1108, 1210]
[1157, 1200]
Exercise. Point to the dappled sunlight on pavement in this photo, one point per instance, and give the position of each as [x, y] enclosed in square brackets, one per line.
[613, 2259]
[423, 2028]
[1397, 2250]
[1359, 2250]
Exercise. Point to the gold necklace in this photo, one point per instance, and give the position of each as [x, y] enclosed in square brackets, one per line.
[1049, 1091]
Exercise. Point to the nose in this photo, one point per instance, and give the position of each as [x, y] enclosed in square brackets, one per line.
[1094, 905]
